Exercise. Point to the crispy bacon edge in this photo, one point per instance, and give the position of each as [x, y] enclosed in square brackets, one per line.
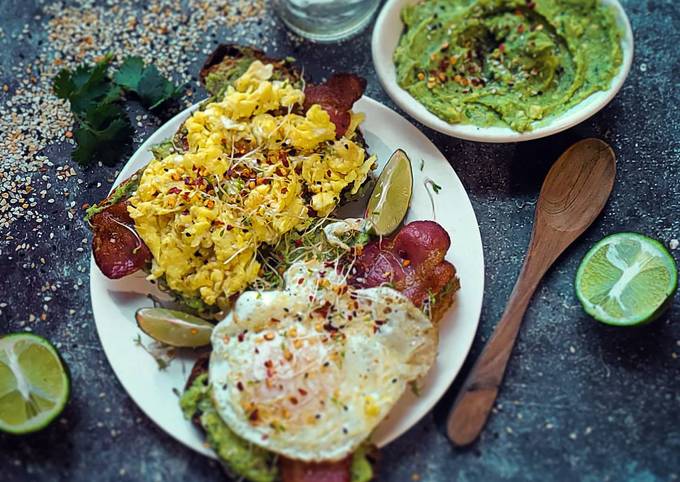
[412, 261]
[336, 96]
[117, 248]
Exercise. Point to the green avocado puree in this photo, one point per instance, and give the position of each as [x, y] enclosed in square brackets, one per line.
[509, 63]
[240, 457]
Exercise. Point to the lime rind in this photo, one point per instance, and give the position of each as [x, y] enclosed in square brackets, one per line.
[626, 279]
[34, 383]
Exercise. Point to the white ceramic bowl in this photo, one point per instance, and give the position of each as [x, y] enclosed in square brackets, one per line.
[388, 29]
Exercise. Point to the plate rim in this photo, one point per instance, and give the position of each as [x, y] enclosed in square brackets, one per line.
[384, 66]
[95, 283]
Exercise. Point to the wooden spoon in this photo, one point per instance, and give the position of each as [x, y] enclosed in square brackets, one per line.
[573, 195]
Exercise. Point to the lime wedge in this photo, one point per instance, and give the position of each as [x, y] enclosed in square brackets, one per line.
[391, 195]
[174, 328]
[34, 383]
[626, 279]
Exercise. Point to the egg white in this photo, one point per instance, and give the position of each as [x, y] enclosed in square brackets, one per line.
[309, 371]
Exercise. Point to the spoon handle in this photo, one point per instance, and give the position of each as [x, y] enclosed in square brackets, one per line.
[473, 405]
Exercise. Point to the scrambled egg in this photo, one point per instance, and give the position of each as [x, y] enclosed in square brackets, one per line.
[255, 168]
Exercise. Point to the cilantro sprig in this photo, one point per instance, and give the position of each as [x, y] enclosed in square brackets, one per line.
[103, 131]
[102, 127]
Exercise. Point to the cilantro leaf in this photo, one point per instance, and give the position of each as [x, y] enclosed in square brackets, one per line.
[435, 187]
[102, 135]
[129, 73]
[147, 82]
[86, 86]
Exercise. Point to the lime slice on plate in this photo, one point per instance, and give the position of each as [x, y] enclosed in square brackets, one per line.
[174, 328]
[391, 195]
[626, 279]
[34, 383]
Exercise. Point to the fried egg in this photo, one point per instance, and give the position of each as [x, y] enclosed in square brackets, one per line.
[309, 371]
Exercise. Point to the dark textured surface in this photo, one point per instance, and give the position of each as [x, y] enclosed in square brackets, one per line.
[580, 402]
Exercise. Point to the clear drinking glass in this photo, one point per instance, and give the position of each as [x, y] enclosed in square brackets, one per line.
[326, 20]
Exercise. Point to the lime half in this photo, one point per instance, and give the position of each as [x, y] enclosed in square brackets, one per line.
[391, 195]
[626, 279]
[34, 383]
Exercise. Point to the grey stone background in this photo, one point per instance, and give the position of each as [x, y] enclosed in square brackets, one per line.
[581, 401]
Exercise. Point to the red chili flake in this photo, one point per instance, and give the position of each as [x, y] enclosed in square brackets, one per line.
[274, 320]
[298, 243]
[501, 48]
[293, 400]
[239, 385]
[284, 190]
[174, 190]
[302, 391]
[241, 336]
[268, 364]
[298, 170]
[301, 280]
[283, 157]
[323, 310]
[520, 28]
[229, 227]
[330, 328]
[531, 4]
[254, 416]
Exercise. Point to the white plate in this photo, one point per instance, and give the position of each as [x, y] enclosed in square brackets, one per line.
[388, 28]
[115, 302]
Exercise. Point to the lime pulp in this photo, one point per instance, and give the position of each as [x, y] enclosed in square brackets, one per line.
[626, 279]
[174, 328]
[34, 383]
[391, 196]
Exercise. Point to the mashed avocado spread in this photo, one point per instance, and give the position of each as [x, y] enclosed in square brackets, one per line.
[240, 457]
[506, 62]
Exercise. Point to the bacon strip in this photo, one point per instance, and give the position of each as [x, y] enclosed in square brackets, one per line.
[118, 250]
[298, 471]
[412, 261]
[336, 97]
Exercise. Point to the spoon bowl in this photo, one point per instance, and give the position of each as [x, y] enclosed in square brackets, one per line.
[577, 186]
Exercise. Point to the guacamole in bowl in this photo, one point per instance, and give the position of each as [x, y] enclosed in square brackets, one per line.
[502, 70]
